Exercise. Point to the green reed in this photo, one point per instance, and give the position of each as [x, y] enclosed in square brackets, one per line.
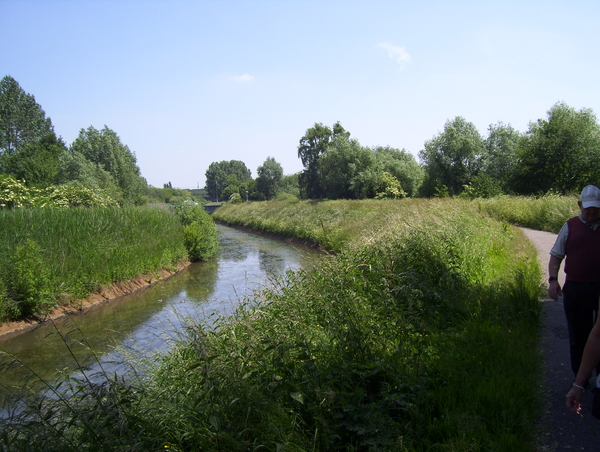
[65, 254]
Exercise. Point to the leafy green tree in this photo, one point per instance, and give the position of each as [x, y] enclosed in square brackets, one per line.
[104, 148]
[22, 120]
[341, 166]
[225, 178]
[251, 188]
[235, 198]
[232, 186]
[452, 158]
[288, 185]
[403, 166]
[560, 153]
[74, 167]
[500, 162]
[269, 175]
[313, 144]
[37, 163]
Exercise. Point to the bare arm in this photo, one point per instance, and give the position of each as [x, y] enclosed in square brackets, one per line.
[554, 290]
[591, 357]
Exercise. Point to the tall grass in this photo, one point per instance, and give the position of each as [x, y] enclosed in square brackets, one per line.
[419, 334]
[49, 255]
[544, 213]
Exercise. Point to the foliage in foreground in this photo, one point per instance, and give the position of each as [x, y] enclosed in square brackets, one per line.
[418, 335]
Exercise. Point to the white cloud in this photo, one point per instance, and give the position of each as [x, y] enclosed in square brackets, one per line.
[243, 78]
[396, 53]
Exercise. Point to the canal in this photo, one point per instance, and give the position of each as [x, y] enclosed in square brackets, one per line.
[148, 321]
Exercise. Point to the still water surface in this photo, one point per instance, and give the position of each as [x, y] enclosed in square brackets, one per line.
[146, 321]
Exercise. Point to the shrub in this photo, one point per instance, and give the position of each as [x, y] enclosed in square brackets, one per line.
[286, 197]
[200, 234]
[235, 198]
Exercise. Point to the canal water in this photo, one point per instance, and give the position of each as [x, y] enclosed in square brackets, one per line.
[147, 322]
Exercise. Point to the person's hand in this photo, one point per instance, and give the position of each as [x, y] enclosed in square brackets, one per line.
[574, 400]
[554, 290]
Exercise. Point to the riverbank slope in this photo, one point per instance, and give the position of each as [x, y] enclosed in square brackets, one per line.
[103, 295]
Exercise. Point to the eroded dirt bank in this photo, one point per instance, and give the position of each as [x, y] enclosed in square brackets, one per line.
[104, 295]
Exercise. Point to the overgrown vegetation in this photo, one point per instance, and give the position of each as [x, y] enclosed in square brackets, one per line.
[419, 334]
[55, 255]
[543, 213]
[199, 233]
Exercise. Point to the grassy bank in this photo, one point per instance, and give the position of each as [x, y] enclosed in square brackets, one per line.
[543, 213]
[50, 255]
[419, 334]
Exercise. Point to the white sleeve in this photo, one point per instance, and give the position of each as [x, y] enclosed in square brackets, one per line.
[560, 246]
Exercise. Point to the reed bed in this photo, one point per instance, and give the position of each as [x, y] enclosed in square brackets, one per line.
[52, 255]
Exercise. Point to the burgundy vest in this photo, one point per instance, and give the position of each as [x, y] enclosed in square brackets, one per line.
[582, 263]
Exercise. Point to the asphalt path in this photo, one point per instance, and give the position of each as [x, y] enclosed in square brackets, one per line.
[559, 429]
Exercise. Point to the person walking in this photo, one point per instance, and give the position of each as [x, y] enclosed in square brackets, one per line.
[578, 243]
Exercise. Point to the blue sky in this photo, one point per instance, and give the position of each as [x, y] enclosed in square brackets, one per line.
[187, 83]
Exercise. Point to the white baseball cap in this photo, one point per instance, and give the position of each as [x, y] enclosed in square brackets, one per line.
[590, 196]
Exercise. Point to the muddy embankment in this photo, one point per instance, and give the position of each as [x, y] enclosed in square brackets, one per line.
[103, 295]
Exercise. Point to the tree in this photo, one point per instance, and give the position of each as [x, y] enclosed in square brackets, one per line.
[37, 163]
[22, 120]
[218, 178]
[341, 166]
[104, 148]
[453, 158]
[560, 153]
[269, 175]
[74, 167]
[403, 166]
[311, 146]
[502, 147]
[288, 185]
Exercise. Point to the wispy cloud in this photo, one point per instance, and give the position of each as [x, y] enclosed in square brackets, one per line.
[396, 53]
[242, 78]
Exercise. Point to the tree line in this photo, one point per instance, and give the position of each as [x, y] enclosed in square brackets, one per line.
[31, 152]
[555, 154]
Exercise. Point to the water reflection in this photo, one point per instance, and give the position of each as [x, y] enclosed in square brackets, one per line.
[144, 322]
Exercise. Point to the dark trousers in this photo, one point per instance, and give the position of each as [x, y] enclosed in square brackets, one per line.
[581, 309]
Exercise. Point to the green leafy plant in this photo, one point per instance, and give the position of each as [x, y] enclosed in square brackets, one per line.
[199, 231]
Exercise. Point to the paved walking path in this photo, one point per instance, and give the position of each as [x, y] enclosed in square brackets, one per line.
[560, 430]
